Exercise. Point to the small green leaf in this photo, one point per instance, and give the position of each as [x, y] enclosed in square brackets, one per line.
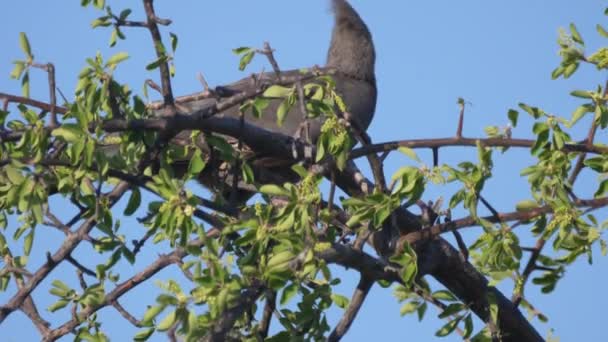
[156, 63]
[339, 300]
[25, 45]
[448, 328]
[289, 292]
[603, 188]
[570, 69]
[113, 37]
[167, 322]
[25, 85]
[246, 59]
[408, 308]
[143, 335]
[277, 91]
[602, 31]
[69, 132]
[282, 112]
[579, 113]
[576, 36]
[513, 116]
[409, 152]
[451, 310]
[583, 94]
[134, 202]
[117, 58]
[197, 164]
[151, 314]
[526, 205]
[241, 50]
[18, 69]
[60, 304]
[28, 242]
[274, 190]
[444, 295]
[174, 41]
[468, 326]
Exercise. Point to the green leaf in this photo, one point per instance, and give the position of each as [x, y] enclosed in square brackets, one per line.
[570, 69]
[25, 45]
[603, 188]
[124, 14]
[277, 91]
[241, 50]
[513, 116]
[602, 31]
[246, 59]
[451, 310]
[197, 164]
[113, 37]
[18, 69]
[282, 112]
[576, 36]
[143, 335]
[156, 63]
[448, 328]
[14, 175]
[408, 308]
[557, 72]
[274, 190]
[339, 300]
[117, 58]
[25, 85]
[69, 132]
[99, 3]
[288, 293]
[151, 314]
[468, 326]
[167, 322]
[28, 242]
[579, 113]
[60, 304]
[583, 94]
[134, 202]
[444, 295]
[409, 152]
[174, 41]
[526, 205]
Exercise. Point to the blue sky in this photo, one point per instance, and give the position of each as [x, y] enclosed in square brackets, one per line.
[493, 54]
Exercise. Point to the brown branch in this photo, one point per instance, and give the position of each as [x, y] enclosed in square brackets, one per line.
[269, 53]
[363, 288]
[79, 266]
[69, 244]
[165, 76]
[226, 321]
[269, 307]
[470, 221]
[30, 102]
[160, 263]
[124, 313]
[530, 267]
[460, 118]
[447, 142]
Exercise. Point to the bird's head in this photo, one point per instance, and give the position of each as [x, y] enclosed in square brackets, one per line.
[352, 48]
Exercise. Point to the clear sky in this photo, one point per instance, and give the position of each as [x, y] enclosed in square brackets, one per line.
[492, 53]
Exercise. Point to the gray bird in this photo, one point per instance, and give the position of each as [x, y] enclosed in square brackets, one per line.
[351, 54]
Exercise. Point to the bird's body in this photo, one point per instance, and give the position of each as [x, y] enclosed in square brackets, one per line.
[351, 56]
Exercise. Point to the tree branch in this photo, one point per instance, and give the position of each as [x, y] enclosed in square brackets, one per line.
[363, 288]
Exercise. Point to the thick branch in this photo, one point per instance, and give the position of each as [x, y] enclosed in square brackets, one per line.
[365, 284]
